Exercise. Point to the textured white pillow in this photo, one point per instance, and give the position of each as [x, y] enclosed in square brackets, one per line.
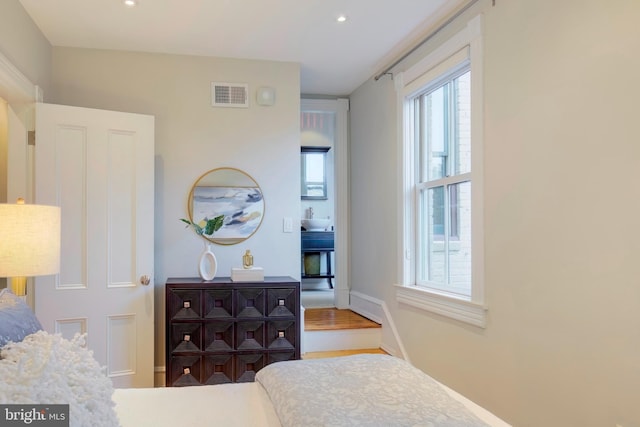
[16, 318]
[48, 369]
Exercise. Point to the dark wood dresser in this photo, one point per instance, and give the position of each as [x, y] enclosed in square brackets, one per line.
[221, 331]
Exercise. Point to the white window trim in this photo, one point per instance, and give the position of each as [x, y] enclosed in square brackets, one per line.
[467, 43]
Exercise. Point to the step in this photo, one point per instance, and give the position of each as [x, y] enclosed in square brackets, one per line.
[340, 353]
[347, 339]
[331, 329]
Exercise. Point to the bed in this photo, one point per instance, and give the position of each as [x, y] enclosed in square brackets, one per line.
[360, 390]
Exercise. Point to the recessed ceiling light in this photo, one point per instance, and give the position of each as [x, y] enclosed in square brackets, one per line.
[341, 18]
[130, 3]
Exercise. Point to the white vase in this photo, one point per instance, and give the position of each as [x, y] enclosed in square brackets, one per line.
[208, 265]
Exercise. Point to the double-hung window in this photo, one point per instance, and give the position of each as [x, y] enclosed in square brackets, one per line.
[443, 183]
[441, 103]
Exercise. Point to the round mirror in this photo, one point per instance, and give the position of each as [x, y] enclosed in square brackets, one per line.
[228, 195]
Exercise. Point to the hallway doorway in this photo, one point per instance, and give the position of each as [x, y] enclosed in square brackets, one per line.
[324, 196]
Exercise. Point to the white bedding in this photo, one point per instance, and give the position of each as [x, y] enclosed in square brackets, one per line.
[361, 390]
[228, 405]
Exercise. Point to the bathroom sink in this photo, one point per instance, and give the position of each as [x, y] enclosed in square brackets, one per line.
[315, 224]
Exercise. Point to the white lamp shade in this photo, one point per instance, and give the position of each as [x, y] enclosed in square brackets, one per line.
[29, 240]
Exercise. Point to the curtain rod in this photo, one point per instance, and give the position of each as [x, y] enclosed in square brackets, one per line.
[426, 39]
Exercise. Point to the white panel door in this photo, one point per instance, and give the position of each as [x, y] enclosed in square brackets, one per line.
[98, 167]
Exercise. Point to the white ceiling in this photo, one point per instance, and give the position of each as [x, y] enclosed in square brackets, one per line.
[335, 57]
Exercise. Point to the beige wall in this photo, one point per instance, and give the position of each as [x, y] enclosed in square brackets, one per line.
[561, 199]
[22, 43]
[191, 138]
[24, 46]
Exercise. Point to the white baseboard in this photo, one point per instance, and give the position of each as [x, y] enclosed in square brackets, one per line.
[376, 310]
[369, 307]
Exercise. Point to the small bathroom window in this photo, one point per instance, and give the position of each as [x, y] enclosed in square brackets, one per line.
[313, 171]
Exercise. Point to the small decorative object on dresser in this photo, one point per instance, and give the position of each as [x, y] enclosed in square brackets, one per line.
[253, 274]
[208, 265]
[248, 273]
[222, 331]
[247, 259]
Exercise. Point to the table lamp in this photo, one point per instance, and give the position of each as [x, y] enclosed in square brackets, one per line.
[29, 242]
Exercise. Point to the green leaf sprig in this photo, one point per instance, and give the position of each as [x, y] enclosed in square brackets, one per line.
[210, 226]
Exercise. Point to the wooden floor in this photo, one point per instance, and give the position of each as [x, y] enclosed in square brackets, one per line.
[327, 319]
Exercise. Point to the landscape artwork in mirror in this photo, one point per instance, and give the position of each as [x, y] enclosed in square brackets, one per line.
[242, 208]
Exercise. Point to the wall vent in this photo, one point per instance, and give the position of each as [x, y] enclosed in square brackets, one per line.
[233, 95]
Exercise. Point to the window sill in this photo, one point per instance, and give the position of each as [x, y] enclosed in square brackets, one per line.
[442, 304]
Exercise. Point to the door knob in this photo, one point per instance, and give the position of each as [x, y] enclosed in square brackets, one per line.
[145, 280]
